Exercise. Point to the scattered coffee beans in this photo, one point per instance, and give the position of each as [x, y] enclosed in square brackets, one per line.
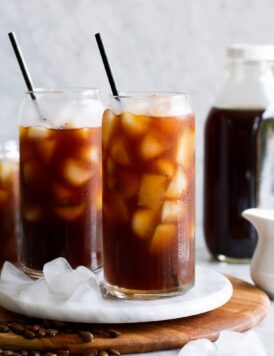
[114, 333]
[51, 332]
[86, 336]
[41, 332]
[32, 328]
[4, 328]
[28, 334]
[110, 352]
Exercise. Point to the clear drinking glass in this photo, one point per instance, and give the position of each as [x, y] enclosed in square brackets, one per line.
[148, 195]
[9, 200]
[60, 178]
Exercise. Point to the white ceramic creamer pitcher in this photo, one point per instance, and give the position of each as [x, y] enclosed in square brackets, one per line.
[262, 263]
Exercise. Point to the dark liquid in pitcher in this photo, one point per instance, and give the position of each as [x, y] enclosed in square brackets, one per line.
[230, 181]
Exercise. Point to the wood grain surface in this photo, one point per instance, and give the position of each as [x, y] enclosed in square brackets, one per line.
[247, 307]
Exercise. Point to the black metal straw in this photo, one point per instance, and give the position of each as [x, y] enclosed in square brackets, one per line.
[22, 64]
[106, 64]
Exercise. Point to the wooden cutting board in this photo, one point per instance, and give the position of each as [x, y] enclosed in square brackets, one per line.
[247, 307]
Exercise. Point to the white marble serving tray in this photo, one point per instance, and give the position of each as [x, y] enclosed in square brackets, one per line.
[211, 291]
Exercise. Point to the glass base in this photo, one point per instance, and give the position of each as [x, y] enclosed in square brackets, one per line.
[33, 273]
[124, 293]
[232, 260]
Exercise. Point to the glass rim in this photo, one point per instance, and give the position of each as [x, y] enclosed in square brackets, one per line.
[64, 90]
[151, 94]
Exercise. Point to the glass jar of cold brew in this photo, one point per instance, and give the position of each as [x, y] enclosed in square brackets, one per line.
[9, 200]
[230, 168]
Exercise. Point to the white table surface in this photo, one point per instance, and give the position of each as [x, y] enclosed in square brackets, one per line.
[265, 329]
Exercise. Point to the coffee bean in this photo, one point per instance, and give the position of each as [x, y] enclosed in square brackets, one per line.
[114, 333]
[51, 332]
[103, 353]
[114, 352]
[90, 353]
[4, 328]
[24, 353]
[35, 327]
[41, 332]
[17, 328]
[50, 354]
[63, 352]
[28, 334]
[16, 354]
[1, 351]
[86, 336]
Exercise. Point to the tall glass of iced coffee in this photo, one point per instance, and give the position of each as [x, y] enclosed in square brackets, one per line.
[148, 195]
[60, 178]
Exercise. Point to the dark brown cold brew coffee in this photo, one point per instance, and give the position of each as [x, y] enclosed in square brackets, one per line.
[61, 197]
[230, 181]
[149, 203]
